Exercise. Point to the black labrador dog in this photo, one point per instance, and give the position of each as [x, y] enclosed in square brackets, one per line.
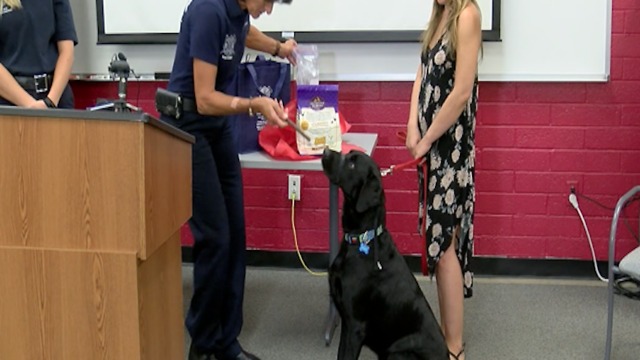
[378, 298]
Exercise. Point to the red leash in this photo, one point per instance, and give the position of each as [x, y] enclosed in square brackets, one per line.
[421, 162]
[423, 167]
[409, 164]
[404, 165]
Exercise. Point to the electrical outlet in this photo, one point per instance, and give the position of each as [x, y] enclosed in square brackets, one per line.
[573, 186]
[294, 187]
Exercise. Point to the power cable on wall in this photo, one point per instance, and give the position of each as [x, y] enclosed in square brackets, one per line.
[295, 240]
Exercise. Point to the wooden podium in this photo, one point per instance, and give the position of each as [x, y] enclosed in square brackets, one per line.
[91, 204]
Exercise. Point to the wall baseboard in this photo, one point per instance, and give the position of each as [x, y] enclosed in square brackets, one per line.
[481, 265]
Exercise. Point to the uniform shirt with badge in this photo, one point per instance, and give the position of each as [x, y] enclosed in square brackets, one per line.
[213, 31]
[29, 35]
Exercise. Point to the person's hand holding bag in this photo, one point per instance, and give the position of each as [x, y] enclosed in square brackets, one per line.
[287, 49]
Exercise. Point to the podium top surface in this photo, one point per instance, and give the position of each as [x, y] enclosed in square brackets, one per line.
[98, 115]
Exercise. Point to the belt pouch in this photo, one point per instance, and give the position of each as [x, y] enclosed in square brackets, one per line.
[169, 103]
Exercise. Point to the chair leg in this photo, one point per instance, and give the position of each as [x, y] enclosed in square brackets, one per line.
[612, 240]
[607, 351]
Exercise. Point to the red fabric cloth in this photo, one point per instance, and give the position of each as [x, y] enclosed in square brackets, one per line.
[280, 143]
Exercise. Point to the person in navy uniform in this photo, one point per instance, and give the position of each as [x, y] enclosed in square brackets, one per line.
[37, 39]
[211, 43]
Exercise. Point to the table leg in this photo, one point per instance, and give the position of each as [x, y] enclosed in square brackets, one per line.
[333, 317]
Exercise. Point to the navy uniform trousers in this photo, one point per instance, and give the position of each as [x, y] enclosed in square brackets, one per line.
[214, 319]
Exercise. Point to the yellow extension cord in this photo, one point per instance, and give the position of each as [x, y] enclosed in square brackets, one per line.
[295, 240]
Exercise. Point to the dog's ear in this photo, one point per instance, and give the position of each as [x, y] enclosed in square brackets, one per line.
[370, 194]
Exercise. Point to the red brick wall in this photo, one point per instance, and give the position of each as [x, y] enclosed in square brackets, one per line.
[533, 139]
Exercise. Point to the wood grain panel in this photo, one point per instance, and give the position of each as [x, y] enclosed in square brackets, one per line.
[167, 178]
[84, 203]
[71, 184]
[160, 303]
[68, 305]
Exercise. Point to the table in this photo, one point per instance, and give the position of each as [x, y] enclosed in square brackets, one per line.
[260, 160]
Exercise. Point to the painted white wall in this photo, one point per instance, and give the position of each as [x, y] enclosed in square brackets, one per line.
[542, 40]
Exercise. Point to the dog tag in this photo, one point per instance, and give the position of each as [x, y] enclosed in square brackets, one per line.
[364, 248]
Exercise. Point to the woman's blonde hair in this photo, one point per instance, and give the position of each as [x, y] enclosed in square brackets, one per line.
[14, 4]
[451, 26]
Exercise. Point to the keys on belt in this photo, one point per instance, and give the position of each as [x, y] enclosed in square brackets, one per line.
[39, 83]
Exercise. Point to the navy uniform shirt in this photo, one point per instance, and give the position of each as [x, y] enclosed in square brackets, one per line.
[29, 35]
[213, 31]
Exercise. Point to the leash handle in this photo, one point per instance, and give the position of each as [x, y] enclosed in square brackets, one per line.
[404, 165]
[402, 135]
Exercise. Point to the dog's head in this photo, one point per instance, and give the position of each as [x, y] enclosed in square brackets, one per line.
[357, 175]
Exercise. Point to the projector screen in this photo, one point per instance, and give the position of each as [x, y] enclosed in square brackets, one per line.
[158, 21]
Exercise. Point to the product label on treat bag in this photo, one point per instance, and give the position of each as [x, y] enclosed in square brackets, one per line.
[318, 117]
[323, 127]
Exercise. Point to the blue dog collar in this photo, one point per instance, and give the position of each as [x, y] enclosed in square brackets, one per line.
[363, 239]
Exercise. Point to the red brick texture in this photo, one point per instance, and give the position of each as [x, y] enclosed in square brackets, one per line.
[534, 139]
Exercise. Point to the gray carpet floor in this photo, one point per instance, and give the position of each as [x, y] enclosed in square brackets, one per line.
[507, 318]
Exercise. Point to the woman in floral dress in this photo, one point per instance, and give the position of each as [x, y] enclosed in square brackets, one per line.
[441, 128]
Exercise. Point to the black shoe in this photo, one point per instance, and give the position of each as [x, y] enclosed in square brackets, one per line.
[195, 355]
[244, 355]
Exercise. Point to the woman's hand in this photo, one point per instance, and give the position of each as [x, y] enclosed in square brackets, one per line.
[37, 104]
[413, 137]
[272, 110]
[287, 49]
[421, 149]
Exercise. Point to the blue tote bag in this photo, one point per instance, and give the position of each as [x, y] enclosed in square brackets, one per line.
[259, 78]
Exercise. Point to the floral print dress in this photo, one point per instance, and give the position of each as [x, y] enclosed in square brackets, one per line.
[450, 197]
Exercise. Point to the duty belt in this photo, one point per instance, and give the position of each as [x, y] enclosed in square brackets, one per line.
[189, 105]
[39, 83]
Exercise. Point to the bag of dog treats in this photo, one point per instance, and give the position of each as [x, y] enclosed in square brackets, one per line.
[317, 115]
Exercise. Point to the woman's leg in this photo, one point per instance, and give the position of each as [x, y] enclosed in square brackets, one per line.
[450, 297]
